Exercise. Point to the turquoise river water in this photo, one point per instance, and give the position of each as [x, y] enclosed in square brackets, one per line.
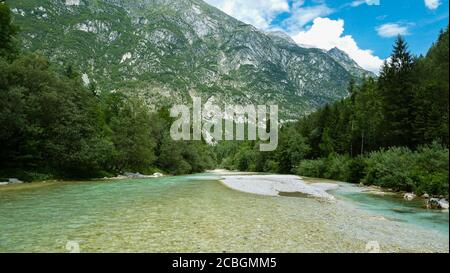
[197, 213]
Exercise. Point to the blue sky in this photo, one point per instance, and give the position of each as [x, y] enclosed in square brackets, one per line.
[365, 29]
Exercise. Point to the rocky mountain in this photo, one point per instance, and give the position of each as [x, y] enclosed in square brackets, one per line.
[169, 50]
[349, 64]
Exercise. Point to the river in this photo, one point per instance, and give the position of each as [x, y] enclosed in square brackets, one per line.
[197, 213]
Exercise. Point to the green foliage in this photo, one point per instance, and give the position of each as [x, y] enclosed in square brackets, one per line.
[27, 176]
[51, 124]
[391, 132]
[396, 84]
[400, 169]
[431, 98]
[54, 127]
[356, 169]
[431, 170]
[312, 168]
[172, 157]
[245, 160]
[185, 157]
[335, 167]
[390, 169]
[8, 47]
[129, 124]
[271, 166]
[425, 170]
[47, 120]
[292, 148]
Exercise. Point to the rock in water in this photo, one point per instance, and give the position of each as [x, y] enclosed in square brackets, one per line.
[435, 203]
[14, 181]
[409, 196]
[443, 203]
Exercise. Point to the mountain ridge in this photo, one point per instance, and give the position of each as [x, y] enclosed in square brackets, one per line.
[168, 51]
[348, 63]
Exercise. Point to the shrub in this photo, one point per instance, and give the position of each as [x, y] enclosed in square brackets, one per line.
[422, 171]
[430, 170]
[390, 169]
[271, 166]
[356, 170]
[228, 163]
[337, 167]
[245, 160]
[425, 170]
[311, 168]
[27, 176]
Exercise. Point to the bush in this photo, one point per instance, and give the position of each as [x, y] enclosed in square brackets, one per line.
[422, 171]
[245, 160]
[311, 168]
[337, 167]
[390, 169]
[356, 170]
[271, 166]
[228, 163]
[27, 176]
[430, 170]
[425, 170]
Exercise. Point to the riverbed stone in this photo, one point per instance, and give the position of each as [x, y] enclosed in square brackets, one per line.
[436, 203]
[443, 203]
[409, 196]
[14, 181]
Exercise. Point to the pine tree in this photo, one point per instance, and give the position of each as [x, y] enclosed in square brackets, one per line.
[432, 94]
[396, 89]
[352, 89]
[8, 31]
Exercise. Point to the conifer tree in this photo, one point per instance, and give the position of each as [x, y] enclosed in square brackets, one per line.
[7, 32]
[396, 90]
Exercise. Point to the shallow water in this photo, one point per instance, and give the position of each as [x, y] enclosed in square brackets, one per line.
[396, 208]
[194, 214]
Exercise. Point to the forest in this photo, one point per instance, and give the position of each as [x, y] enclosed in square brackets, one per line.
[53, 127]
[390, 132]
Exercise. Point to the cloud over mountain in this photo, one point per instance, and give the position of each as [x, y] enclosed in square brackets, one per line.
[327, 34]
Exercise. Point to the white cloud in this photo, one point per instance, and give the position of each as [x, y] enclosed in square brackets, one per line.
[301, 16]
[327, 34]
[258, 13]
[357, 3]
[392, 30]
[432, 4]
[261, 13]
[324, 33]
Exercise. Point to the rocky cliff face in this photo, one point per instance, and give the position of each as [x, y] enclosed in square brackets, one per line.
[349, 64]
[169, 50]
